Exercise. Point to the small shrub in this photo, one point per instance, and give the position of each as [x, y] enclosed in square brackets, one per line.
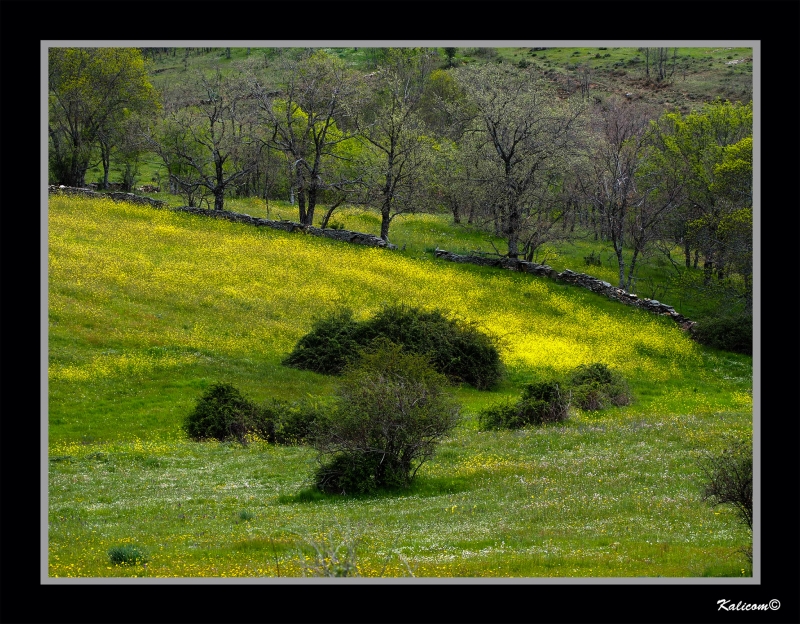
[593, 260]
[541, 402]
[500, 416]
[728, 333]
[595, 386]
[348, 474]
[127, 554]
[392, 412]
[455, 348]
[245, 515]
[728, 478]
[221, 413]
[283, 422]
[335, 555]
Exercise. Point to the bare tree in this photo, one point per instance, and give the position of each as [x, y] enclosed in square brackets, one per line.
[626, 203]
[389, 124]
[522, 138]
[202, 139]
[301, 116]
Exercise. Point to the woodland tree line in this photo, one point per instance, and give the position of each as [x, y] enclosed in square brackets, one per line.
[495, 145]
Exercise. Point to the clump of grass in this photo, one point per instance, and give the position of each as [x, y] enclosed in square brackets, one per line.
[128, 554]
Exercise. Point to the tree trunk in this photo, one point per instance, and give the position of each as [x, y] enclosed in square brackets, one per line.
[312, 202]
[219, 188]
[456, 211]
[385, 220]
[631, 270]
[219, 198]
[106, 158]
[708, 270]
[620, 264]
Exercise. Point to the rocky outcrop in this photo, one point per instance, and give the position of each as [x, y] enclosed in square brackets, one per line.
[571, 277]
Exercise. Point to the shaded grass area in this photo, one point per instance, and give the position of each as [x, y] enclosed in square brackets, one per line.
[147, 308]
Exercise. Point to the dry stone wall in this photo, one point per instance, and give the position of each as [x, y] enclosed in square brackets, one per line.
[571, 277]
[359, 238]
[348, 236]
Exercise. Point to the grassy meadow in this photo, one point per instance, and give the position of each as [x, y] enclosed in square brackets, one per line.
[147, 308]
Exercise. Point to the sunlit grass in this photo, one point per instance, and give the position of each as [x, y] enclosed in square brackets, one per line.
[148, 307]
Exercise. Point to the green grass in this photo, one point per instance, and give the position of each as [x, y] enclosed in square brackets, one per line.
[147, 308]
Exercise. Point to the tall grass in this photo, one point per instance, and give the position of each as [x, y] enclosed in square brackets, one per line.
[147, 308]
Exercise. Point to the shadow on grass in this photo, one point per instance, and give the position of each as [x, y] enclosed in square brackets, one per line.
[420, 487]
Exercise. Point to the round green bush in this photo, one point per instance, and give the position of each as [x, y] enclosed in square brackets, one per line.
[350, 473]
[283, 422]
[595, 386]
[455, 348]
[221, 413]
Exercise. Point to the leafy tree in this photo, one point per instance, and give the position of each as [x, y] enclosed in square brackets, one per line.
[91, 91]
[393, 412]
[712, 151]
[450, 53]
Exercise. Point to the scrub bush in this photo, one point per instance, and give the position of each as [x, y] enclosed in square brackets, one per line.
[595, 386]
[127, 554]
[541, 402]
[392, 412]
[728, 478]
[221, 413]
[728, 333]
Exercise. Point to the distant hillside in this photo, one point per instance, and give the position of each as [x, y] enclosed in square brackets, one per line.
[682, 78]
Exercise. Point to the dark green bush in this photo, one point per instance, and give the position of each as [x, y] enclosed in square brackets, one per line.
[392, 412]
[595, 386]
[283, 422]
[221, 413]
[728, 333]
[541, 402]
[455, 348]
[347, 474]
[329, 346]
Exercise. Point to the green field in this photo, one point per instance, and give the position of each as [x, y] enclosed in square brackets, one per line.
[147, 308]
